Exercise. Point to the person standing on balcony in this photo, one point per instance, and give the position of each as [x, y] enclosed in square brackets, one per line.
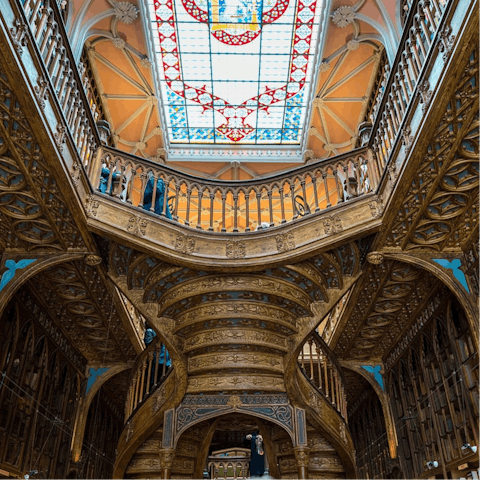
[257, 459]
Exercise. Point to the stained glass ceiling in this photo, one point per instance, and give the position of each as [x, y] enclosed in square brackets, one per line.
[235, 72]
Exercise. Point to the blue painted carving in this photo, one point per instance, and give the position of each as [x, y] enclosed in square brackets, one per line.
[454, 266]
[168, 423]
[196, 407]
[12, 268]
[94, 374]
[376, 373]
[301, 430]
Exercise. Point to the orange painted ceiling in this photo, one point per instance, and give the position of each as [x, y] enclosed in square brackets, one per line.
[122, 69]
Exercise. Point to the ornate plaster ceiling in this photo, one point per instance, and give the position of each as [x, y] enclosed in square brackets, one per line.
[354, 35]
[383, 305]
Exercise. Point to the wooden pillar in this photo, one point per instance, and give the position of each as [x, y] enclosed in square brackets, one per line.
[301, 456]
[166, 461]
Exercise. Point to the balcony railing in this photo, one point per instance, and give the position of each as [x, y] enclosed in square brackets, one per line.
[323, 371]
[228, 206]
[149, 372]
[420, 30]
[46, 24]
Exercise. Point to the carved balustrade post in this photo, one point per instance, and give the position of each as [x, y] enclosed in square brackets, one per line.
[212, 197]
[235, 212]
[314, 184]
[167, 456]
[199, 213]
[247, 210]
[224, 197]
[177, 195]
[154, 193]
[301, 457]
[259, 210]
[270, 206]
[282, 204]
[292, 194]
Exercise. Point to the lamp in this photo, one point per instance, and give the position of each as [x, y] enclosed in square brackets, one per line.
[472, 448]
[431, 465]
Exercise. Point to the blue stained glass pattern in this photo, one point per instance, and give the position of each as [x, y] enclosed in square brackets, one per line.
[235, 71]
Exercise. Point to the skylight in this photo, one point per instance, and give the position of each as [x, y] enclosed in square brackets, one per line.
[235, 71]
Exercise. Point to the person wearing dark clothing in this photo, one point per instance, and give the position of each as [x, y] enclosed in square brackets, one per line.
[164, 357]
[104, 175]
[159, 197]
[257, 459]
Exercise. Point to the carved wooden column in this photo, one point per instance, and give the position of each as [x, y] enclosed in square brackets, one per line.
[301, 456]
[166, 461]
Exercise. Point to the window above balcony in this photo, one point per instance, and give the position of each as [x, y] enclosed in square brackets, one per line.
[235, 72]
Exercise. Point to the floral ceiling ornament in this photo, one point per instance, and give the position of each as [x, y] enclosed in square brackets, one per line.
[324, 67]
[343, 16]
[119, 42]
[126, 12]
[353, 45]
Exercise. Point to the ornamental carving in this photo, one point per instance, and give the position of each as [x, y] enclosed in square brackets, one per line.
[235, 309]
[166, 458]
[185, 243]
[301, 456]
[446, 42]
[125, 12]
[60, 137]
[137, 226]
[236, 249]
[220, 360]
[376, 207]
[18, 35]
[234, 402]
[407, 138]
[158, 399]
[332, 225]
[41, 92]
[75, 173]
[129, 430]
[375, 258]
[285, 242]
[444, 178]
[219, 284]
[234, 336]
[343, 16]
[91, 206]
[424, 317]
[93, 259]
[274, 407]
[425, 95]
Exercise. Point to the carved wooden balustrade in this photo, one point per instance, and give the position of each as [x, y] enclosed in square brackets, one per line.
[215, 205]
[147, 375]
[229, 463]
[423, 25]
[322, 369]
[46, 24]
[229, 206]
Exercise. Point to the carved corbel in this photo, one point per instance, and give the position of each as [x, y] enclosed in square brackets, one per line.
[167, 455]
[301, 457]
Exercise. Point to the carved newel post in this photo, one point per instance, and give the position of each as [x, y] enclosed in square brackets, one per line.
[166, 461]
[301, 456]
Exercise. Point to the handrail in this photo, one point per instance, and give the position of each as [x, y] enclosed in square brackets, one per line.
[48, 30]
[324, 372]
[147, 375]
[234, 206]
[417, 42]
